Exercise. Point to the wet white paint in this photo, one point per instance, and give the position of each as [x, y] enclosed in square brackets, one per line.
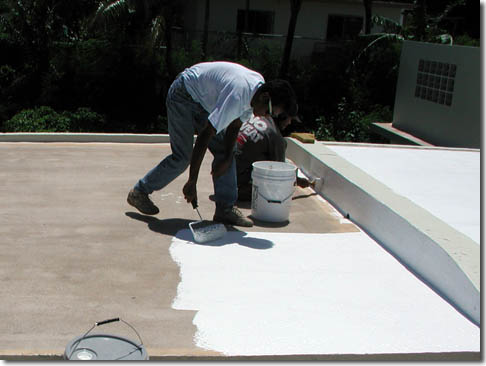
[446, 183]
[281, 293]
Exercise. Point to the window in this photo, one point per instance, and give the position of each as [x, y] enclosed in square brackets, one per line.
[259, 21]
[435, 81]
[343, 27]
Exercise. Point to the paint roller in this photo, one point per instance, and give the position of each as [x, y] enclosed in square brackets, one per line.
[204, 231]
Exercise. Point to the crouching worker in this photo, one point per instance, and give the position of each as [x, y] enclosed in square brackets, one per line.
[212, 99]
[261, 139]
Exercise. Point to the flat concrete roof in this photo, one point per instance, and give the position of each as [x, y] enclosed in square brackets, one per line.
[445, 182]
[318, 287]
[399, 218]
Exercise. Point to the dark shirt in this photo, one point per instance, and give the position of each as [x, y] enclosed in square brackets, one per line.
[259, 139]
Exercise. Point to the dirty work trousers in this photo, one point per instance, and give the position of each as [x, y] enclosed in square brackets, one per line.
[185, 116]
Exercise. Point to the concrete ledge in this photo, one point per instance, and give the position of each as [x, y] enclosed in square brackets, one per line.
[444, 356]
[429, 356]
[447, 260]
[397, 136]
[83, 137]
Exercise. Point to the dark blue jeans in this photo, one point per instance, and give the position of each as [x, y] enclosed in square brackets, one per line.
[185, 116]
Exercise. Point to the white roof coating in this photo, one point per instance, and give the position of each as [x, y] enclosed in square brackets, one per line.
[445, 182]
[278, 294]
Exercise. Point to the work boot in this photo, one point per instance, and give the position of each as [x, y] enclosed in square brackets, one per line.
[142, 202]
[231, 216]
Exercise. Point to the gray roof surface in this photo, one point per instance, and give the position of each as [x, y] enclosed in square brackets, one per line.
[74, 252]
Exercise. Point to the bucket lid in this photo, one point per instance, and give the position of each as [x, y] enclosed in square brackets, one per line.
[97, 347]
[274, 168]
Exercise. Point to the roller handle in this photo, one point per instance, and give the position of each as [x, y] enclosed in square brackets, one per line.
[194, 203]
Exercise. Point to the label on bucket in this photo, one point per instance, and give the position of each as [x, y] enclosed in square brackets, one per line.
[254, 198]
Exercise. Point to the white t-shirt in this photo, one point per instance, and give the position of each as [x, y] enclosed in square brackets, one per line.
[224, 89]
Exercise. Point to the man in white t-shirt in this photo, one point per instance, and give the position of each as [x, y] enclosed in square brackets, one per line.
[212, 99]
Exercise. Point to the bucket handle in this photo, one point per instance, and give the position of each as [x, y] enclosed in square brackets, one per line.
[112, 320]
[275, 201]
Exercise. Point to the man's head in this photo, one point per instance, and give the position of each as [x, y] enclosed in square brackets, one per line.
[276, 98]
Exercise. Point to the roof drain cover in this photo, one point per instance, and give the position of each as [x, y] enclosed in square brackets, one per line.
[96, 347]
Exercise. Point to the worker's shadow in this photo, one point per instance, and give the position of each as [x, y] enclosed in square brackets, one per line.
[180, 229]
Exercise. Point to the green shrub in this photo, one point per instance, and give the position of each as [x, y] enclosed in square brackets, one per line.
[85, 120]
[46, 119]
[379, 113]
[42, 119]
[182, 58]
[465, 40]
[351, 124]
[325, 131]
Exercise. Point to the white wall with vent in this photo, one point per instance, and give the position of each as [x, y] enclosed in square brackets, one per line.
[438, 97]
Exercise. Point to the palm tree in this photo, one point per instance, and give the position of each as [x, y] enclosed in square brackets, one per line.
[295, 6]
[242, 45]
[368, 12]
[206, 30]
[145, 10]
[422, 27]
[148, 21]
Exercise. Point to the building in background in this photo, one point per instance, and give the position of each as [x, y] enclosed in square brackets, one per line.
[321, 23]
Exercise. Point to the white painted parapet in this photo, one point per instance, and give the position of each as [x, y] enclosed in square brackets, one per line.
[444, 258]
[82, 137]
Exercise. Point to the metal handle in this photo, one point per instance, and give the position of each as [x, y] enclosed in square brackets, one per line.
[107, 321]
[112, 320]
[194, 206]
[275, 201]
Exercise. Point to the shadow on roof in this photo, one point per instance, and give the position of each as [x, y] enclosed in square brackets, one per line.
[179, 228]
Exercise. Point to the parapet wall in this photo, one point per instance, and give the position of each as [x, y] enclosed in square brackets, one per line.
[447, 260]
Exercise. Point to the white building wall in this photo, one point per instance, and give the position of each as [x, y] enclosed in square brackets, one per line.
[311, 23]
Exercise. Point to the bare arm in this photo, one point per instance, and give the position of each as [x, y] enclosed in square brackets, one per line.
[230, 137]
[200, 147]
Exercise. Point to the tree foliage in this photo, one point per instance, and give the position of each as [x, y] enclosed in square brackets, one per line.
[110, 64]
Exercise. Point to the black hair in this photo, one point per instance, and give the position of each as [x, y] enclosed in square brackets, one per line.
[282, 94]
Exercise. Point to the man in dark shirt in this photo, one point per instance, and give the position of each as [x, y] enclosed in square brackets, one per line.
[259, 139]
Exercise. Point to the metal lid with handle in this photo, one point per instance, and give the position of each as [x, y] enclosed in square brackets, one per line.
[91, 347]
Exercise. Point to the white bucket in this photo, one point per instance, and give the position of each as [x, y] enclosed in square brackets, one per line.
[273, 187]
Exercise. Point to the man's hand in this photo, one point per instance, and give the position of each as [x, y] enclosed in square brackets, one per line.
[303, 183]
[190, 191]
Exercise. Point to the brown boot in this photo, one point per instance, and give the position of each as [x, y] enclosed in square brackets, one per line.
[142, 202]
[231, 216]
